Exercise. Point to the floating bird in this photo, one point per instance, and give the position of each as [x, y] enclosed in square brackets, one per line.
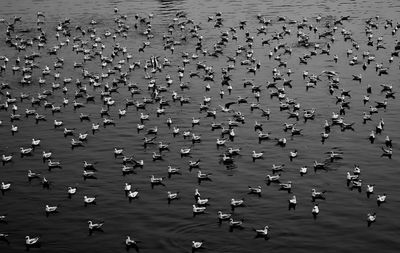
[198, 209]
[235, 224]
[71, 191]
[89, 200]
[95, 226]
[262, 232]
[286, 186]
[5, 187]
[50, 209]
[387, 152]
[370, 189]
[317, 195]
[172, 196]
[223, 216]
[29, 242]
[293, 154]
[315, 210]
[132, 195]
[236, 203]
[197, 245]
[256, 155]
[273, 178]
[130, 243]
[371, 218]
[6, 158]
[381, 199]
[303, 170]
[255, 190]
[292, 202]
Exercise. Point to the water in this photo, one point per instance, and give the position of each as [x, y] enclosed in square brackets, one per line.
[160, 226]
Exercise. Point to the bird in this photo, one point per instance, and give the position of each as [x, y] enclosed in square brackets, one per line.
[197, 245]
[317, 195]
[371, 218]
[387, 152]
[262, 232]
[133, 194]
[172, 196]
[31, 241]
[303, 170]
[32, 175]
[255, 190]
[315, 210]
[156, 180]
[236, 203]
[50, 209]
[292, 202]
[381, 199]
[256, 155]
[71, 191]
[130, 242]
[370, 189]
[198, 209]
[95, 226]
[235, 224]
[293, 154]
[286, 186]
[203, 176]
[6, 158]
[223, 216]
[89, 200]
[202, 202]
[273, 178]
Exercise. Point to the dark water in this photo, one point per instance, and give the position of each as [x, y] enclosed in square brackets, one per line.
[161, 227]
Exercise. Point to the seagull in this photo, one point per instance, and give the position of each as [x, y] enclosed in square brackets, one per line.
[71, 191]
[203, 176]
[262, 232]
[255, 190]
[5, 187]
[381, 199]
[256, 155]
[32, 175]
[198, 209]
[387, 152]
[286, 186]
[118, 151]
[50, 209]
[6, 158]
[293, 202]
[317, 195]
[233, 223]
[94, 226]
[273, 178]
[171, 196]
[370, 189]
[236, 203]
[89, 200]
[31, 241]
[223, 216]
[133, 194]
[197, 245]
[130, 242]
[303, 170]
[293, 154]
[156, 180]
[371, 218]
[315, 210]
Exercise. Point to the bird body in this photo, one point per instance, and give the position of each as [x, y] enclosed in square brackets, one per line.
[31, 241]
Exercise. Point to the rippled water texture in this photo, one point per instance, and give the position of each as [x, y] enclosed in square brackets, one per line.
[341, 225]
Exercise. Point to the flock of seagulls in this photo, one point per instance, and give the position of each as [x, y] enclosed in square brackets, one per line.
[116, 66]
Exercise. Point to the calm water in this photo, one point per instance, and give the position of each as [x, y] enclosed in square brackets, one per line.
[161, 227]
